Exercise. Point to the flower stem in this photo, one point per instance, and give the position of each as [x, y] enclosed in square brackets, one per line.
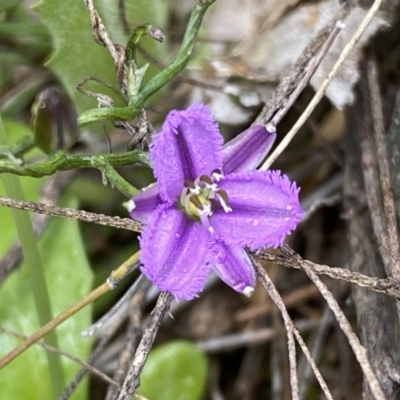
[62, 161]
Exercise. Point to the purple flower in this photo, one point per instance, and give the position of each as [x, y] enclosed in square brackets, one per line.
[209, 202]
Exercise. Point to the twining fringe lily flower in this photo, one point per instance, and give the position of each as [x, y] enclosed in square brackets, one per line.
[209, 202]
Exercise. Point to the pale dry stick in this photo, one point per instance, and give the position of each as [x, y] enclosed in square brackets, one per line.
[277, 299]
[383, 169]
[314, 64]
[321, 91]
[359, 350]
[64, 315]
[250, 338]
[45, 329]
[132, 377]
[389, 286]
[317, 339]
[84, 364]
[131, 338]
[291, 300]
[116, 307]
[71, 213]
[288, 83]
[100, 33]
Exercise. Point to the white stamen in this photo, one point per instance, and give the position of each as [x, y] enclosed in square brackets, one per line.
[206, 209]
[195, 190]
[129, 205]
[248, 291]
[183, 197]
[213, 187]
[217, 176]
[224, 205]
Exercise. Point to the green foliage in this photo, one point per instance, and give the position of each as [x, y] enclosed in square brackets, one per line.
[174, 371]
[77, 56]
[68, 277]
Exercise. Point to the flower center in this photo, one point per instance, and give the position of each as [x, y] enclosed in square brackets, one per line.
[200, 198]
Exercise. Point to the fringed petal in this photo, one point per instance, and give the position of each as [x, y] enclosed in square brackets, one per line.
[233, 266]
[144, 203]
[175, 252]
[189, 145]
[265, 209]
[246, 151]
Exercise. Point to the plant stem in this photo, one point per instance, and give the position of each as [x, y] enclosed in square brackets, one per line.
[157, 82]
[62, 161]
[35, 271]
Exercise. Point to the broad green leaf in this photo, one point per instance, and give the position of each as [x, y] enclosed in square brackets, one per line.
[77, 56]
[69, 279]
[174, 371]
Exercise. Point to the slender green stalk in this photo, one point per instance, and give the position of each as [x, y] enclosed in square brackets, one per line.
[34, 267]
[62, 161]
[157, 82]
[19, 149]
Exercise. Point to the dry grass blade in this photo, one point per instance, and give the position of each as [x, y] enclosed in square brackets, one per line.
[277, 299]
[358, 349]
[321, 91]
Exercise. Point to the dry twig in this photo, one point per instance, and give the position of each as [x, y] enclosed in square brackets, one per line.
[131, 381]
[321, 91]
[289, 325]
[358, 349]
[71, 213]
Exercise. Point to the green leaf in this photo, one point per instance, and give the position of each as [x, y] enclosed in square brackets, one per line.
[174, 371]
[6, 4]
[69, 279]
[77, 56]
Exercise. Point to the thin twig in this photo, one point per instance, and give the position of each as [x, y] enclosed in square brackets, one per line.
[317, 344]
[100, 33]
[389, 286]
[132, 377]
[48, 347]
[131, 338]
[80, 215]
[82, 372]
[277, 299]
[49, 193]
[314, 64]
[321, 91]
[358, 349]
[116, 307]
[250, 338]
[289, 82]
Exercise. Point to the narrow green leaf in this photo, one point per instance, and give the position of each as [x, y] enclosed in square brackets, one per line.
[69, 278]
[37, 280]
[174, 371]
